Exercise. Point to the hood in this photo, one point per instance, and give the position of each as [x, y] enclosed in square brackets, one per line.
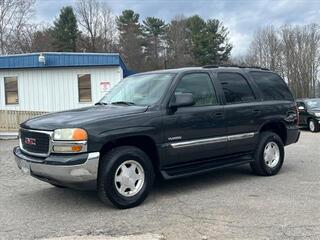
[79, 117]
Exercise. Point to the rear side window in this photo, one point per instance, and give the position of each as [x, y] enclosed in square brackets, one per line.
[272, 86]
[236, 88]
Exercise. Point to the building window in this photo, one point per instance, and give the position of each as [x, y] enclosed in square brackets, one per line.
[84, 85]
[11, 90]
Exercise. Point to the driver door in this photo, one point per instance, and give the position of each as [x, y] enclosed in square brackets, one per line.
[195, 132]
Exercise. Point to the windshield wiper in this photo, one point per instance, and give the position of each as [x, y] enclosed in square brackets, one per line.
[101, 103]
[124, 102]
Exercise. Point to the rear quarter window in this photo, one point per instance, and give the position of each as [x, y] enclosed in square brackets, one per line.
[272, 86]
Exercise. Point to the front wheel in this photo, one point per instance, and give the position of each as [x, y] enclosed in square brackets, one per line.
[125, 177]
[269, 155]
[313, 126]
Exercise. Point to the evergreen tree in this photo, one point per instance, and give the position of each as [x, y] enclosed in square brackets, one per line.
[130, 40]
[210, 43]
[154, 31]
[65, 31]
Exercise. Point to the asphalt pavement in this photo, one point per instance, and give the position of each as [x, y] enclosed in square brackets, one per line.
[226, 204]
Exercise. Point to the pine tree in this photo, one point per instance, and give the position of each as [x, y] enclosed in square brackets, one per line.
[65, 31]
[130, 40]
[154, 32]
[210, 43]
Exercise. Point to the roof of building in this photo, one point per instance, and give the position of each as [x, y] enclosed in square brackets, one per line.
[62, 59]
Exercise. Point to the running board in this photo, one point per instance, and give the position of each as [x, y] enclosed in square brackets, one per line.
[185, 170]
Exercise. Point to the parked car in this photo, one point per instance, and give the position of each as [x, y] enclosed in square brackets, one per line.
[174, 123]
[309, 113]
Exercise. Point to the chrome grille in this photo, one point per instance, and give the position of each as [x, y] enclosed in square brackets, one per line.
[35, 142]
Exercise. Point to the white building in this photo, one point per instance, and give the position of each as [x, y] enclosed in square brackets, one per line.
[32, 84]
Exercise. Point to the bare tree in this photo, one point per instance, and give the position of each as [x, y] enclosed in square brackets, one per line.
[266, 49]
[292, 51]
[178, 43]
[14, 24]
[301, 46]
[97, 23]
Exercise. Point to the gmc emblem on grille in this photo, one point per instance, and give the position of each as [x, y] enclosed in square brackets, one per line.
[30, 141]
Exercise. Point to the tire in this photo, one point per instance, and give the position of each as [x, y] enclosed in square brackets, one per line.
[313, 126]
[57, 186]
[270, 163]
[122, 163]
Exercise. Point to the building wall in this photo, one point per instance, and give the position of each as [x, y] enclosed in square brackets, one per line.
[56, 89]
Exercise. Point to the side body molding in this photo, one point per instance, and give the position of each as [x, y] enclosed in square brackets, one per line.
[198, 142]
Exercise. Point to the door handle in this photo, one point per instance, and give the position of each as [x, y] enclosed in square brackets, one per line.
[219, 115]
[256, 110]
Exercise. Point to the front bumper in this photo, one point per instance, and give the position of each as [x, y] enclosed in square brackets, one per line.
[77, 171]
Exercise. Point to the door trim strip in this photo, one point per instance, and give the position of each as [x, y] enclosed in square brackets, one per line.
[240, 136]
[204, 141]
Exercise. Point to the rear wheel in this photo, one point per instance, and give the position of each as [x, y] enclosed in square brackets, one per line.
[313, 126]
[125, 177]
[269, 155]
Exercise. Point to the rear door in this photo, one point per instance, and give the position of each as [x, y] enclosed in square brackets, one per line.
[241, 111]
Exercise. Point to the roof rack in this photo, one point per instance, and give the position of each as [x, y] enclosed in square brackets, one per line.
[235, 65]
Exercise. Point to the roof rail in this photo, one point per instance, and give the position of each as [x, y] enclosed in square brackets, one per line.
[211, 66]
[234, 65]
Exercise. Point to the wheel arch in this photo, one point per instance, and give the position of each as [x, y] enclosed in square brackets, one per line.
[143, 142]
[277, 127]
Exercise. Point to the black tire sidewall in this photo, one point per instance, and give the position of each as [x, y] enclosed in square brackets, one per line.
[107, 172]
[316, 125]
[265, 139]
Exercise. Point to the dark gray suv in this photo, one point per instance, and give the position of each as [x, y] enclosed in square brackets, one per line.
[171, 123]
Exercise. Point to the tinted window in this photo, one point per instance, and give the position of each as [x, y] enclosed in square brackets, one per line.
[200, 85]
[236, 88]
[271, 86]
[301, 104]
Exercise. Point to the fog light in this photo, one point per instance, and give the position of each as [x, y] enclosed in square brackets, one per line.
[76, 148]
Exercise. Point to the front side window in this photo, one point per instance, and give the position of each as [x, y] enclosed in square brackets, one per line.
[200, 86]
[141, 90]
[236, 88]
[271, 86]
[11, 90]
[84, 86]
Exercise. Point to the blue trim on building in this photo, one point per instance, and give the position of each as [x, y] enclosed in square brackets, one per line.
[56, 59]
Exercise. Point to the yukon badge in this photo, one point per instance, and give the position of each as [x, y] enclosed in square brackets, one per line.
[174, 138]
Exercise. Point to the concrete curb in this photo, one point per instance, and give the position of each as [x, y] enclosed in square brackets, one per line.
[8, 135]
[147, 236]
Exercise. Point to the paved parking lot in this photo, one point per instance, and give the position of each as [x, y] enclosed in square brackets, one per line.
[226, 204]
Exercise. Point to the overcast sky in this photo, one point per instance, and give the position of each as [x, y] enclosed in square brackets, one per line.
[241, 17]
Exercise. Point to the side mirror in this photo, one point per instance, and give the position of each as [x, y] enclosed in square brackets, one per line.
[301, 108]
[182, 100]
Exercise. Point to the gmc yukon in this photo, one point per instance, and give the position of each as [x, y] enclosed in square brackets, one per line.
[168, 123]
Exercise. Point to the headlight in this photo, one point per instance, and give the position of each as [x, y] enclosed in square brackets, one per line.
[317, 114]
[70, 140]
[70, 134]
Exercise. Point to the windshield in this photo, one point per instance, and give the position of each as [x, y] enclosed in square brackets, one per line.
[141, 90]
[314, 103]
